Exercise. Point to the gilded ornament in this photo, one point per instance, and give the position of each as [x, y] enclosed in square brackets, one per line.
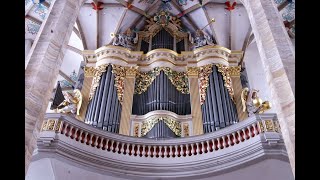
[89, 71]
[148, 124]
[50, 125]
[145, 79]
[262, 129]
[251, 103]
[44, 125]
[96, 79]
[192, 71]
[204, 73]
[234, 70]
[224, 70]
[119, 75]
[269, 125]
[131, 71]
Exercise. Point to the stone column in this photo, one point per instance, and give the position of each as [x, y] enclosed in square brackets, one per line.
[278, 60]
[28, 44]
[85, 91]
[43, 67]
[237, 89]
[196, 112]
[129, 83]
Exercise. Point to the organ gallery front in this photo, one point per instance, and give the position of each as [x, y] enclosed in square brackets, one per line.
[162, 82]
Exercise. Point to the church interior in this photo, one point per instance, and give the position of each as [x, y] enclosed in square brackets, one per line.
[159, 89]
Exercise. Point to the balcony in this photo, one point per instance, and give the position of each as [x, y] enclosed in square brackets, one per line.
[68, 148]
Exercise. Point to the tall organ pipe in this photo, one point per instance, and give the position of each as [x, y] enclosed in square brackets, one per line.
[161, 95]
[104, 109]
[218, 110]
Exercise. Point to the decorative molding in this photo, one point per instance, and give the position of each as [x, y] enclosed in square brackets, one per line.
[224, 70]
[201, 56]
[204, 74]
[234, 70]
[51, 125]
[136, 128]
[131, 71]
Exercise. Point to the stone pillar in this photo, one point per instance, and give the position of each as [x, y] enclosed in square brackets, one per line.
[85, 91]
[28, 44]
[129, 83]
[196, 112]
[43, 67]
[278, 60]
[237, 89]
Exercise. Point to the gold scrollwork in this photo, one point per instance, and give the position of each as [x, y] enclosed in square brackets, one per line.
[96, 79]
[51, 125]
[269, 125]
[204, 73]
[234, 70]
[148, 124]
[89, 71]
[224, 70]
[119, 73]
[145, 79]
[192, 71]
[178, 79]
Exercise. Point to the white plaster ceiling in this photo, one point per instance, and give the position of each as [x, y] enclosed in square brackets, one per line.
[118, 15]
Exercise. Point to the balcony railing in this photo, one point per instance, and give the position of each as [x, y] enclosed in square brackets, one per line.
[248, 140]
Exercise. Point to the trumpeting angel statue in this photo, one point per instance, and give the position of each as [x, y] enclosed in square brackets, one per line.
[251, 103]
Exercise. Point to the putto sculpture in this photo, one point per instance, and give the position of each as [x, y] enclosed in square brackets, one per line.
[252, 103]
[200, 39]
[128, 39]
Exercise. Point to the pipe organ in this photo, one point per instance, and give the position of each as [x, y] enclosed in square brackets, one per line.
[146, 93]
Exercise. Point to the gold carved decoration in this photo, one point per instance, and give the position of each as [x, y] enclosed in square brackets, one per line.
[119, 75]
[131, 71]
[136, 130]
[192, 71]
[51, 125]
[178, 79]
[234, 70]
[148, 124]
[224, 70]
[89, 71]
[145, 79]
[96, 79]
[204, 74]
[269, 126]
[186, 129]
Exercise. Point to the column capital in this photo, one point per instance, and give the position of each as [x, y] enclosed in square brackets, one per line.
[89, 71]
[193, 71]
[234, 70]
[131, 71]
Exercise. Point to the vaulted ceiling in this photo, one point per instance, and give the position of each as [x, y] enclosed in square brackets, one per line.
[99, 18]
